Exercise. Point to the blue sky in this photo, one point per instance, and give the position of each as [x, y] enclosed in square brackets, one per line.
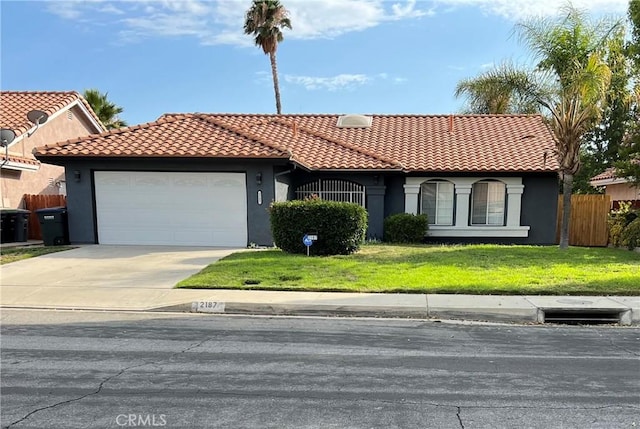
[342, 56]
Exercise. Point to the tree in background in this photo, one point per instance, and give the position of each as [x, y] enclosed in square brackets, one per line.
[502, 89]
[572, 51]
[265, 20]
[106, 111]
[602, 145]
[571, 58]
[629, 163]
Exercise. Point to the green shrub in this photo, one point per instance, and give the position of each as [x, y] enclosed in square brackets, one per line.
[618, 221]
[615, 232]
[340, 227]
[405, 228]
[630, 236]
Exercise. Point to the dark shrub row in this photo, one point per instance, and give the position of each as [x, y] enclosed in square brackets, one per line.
[405, 228]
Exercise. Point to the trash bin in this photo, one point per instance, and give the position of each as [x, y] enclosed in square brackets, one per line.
[15, 225]
[54, 227]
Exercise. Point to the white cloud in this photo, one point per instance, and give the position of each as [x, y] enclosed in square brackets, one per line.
[517, 10]
[110, 8]
[487, 65]
[334, 83]
[339, 82]
[221, 22]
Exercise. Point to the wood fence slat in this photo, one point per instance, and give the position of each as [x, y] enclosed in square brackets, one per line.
[588, 225]
[35, 202]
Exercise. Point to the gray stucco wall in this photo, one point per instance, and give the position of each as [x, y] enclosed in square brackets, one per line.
[81, 198]
[384, 195]
[375, 191]
[540, 208]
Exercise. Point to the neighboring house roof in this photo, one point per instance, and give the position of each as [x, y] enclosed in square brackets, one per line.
[460, 143]
[19, 163]
[607, 177]
[14, 106]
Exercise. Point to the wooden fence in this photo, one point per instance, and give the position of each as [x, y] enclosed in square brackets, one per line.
[35, 202]
[588, 223]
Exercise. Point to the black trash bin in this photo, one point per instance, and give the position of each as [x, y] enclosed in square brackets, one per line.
[15, 225]
[54, 227]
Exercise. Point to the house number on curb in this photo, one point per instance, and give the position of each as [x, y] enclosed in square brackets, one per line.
[207, 307]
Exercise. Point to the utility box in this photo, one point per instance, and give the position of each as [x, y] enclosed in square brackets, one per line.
[15, 225]
[54, 226]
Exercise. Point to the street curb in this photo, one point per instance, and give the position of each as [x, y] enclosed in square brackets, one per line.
[516, 314]
[305, 310]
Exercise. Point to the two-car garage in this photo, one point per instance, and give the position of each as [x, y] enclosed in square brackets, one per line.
[171, 208]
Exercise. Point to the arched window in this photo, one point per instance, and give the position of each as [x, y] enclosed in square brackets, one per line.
[437, 201]
[488, 200]
[332, 190]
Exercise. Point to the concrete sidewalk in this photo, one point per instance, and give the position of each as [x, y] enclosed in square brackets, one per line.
[517, 309]
[141, 278]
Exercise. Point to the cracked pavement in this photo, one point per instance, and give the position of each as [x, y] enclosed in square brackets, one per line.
[98, 369]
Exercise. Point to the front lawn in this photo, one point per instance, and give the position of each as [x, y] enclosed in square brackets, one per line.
[473, 269]
[18, 253]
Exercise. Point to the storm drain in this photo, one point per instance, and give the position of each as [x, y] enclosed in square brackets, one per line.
[582, 317]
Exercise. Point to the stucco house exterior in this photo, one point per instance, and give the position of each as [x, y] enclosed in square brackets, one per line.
[69, 116]
[619, 188]
[208, 179]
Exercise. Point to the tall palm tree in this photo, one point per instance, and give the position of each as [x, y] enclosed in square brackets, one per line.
[106, 111]
[502, 89]
[572, 50]
[265, 20]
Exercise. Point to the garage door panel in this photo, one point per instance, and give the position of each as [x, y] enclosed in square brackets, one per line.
[207, 209]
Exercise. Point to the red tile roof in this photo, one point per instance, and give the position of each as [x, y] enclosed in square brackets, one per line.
[609, 173]
[187, 136]
[460, 143]
[14, 106]
[19, 160]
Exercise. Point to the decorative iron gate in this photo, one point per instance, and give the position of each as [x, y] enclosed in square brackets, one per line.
[332, 190]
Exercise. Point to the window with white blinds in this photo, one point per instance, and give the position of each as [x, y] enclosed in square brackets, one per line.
[488, 203]
[437, 201]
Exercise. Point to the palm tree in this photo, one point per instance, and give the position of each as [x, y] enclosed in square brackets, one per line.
[572, 50]
[106, 111]
[264, 20]
[503, 89]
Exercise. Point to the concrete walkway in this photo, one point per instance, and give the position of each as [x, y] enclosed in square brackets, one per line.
[141, 278]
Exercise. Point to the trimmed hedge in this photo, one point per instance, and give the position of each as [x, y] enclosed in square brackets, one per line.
[405, 228]
[340, 227]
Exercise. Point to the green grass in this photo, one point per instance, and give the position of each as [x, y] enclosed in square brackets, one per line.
[18, 253]
[474, 269]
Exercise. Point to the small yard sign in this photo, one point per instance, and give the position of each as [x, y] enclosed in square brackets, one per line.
[308, 240]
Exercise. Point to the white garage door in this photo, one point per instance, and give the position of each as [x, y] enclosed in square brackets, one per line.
[182, 209]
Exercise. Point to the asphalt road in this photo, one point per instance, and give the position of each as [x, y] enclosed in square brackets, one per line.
[104, 370]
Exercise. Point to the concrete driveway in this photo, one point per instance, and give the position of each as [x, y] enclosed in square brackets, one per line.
[100, 276]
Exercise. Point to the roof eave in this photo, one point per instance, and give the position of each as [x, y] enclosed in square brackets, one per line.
[97, 126]
[609, 181]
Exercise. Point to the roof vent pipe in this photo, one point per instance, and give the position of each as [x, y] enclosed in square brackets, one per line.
[450, 123]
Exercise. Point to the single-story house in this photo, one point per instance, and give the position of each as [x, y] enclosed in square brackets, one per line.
[208, 179]
[619, 188]
[63, 116]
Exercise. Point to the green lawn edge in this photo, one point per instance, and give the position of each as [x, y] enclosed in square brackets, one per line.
[13, 254]
[451, 269]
